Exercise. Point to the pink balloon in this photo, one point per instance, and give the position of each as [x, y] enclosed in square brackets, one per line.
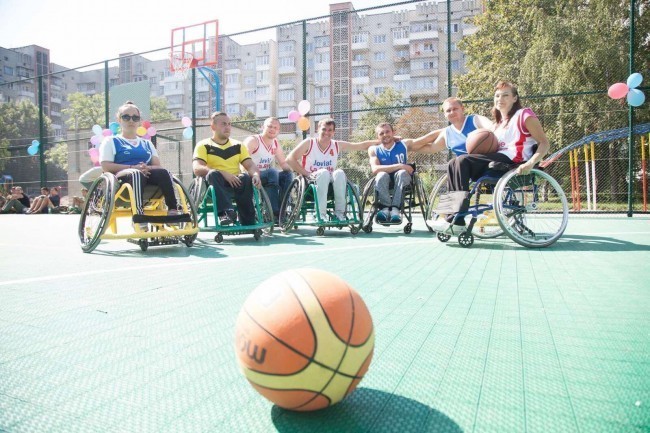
[96, 140]
[618, 90]
[186, 121]
[151, 131]
[107, 132]
[94, 155]
[146, 137]
[293, 115]
[146, 124]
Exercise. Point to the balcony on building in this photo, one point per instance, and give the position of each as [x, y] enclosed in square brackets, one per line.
[429, 34]
[401, 59]
[26, 94]
[360, 80]
[360, 45]
[423, 92]
[401, 77]
[287, 86]
[400, 42]
[283, 70]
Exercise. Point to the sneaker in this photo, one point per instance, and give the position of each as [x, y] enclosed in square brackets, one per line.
[395, 215]
[224, 219]
[173, 212]
[340, 217]
[382, 215]
[144, 227]
[231, 214]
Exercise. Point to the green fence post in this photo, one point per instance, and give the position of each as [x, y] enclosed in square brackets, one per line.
[630, 121]
[106, 114]
[41, 133]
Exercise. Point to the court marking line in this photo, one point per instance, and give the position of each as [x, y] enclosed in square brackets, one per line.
[203, 261]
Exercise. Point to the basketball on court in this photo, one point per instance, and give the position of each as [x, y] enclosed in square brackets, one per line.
[482, 142]
[304, 339]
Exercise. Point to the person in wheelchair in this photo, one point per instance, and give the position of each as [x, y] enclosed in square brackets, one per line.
[135, 161]
[521, 141]
[316, 159]
[388, 162]
[264, 149]
[218, 160]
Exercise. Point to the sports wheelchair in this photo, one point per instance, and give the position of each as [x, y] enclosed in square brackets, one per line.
[413, 196]
[203, 195]
[110, 203]
[300, 201]
[530, 209]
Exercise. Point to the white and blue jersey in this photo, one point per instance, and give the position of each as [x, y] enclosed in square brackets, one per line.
[456, 139]
[120, 150]
[397, 154]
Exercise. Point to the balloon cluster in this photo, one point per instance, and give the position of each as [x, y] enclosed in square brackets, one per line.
[188, 132]
[635, 97]
[33, 149]
[145, 131]
[298, 116]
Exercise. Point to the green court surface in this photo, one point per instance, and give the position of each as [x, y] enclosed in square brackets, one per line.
[494, 338]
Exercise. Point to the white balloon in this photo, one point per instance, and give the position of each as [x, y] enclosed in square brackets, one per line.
[303, 107]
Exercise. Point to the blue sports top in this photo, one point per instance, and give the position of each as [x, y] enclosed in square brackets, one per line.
[456, 139]
[396, 155]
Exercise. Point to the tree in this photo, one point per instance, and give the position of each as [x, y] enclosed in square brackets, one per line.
[85, 111]
[159, 111]
[415, 122]
[19, 125]
[58, 155]
[385, 107]
[248, 122]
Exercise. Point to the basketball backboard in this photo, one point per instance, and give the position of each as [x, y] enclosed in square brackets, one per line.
[194, 46]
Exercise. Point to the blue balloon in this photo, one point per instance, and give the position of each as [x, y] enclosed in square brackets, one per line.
[114, 127]
[188, 132]
[634, 80]
[32, 150]
[635, 97]
[35, 143]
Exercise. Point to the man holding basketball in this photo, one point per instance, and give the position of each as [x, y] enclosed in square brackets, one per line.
[521, 141]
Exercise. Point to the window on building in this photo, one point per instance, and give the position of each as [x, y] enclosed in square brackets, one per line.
[262, 60]
[402, 86]
[249, 94]
[358, 38]
[286, 46]
[322, 58]
[287, 62]
[402, 70]
[358, 89]
[287, 95]
[321, 76]
[379, 39]
[8, 70]
[357, 57]
[380, 73]
[455, 65]
[262, 76]
[322, 92]
[380, 56]
[284, 111]
[322, 41]
[262, 90]
[421, 27]
[322, 108]
[401, 33]
[428, 46]
[249, 80]
[249, 66]
[379, 90]
[232, 78]
[360, 72]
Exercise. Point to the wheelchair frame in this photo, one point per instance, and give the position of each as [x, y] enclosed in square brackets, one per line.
[517, 207]
[413, 196]
[205, 199]
[107, 201]
[296, 206]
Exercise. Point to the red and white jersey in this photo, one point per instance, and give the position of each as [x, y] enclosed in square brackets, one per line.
[264, 154]
[514, 139]
[315, 158]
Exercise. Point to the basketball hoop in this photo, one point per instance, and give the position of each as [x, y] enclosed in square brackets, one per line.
[181, 62]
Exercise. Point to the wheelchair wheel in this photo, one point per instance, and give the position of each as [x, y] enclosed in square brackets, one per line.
[368, 202]
[197, 190]
[531, 209]
[420, 195]
[430, 214]
[486, 225]
[265, 211]
[353, 208]
[291, 203]
[187, 201]
[320, 231]
[96, 212]
[465, 239]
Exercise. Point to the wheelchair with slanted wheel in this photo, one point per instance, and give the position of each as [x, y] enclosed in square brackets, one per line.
[300, 203]
[205, 199]
[530, 209]
[110, 213]
[413, 197]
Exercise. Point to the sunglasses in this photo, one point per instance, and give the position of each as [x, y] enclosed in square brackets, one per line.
[127, 117]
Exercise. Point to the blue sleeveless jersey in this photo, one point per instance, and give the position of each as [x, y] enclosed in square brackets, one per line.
[396, 155]
[127, 154]
[456, 140]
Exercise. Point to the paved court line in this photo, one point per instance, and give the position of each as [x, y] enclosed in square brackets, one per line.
[207, 260]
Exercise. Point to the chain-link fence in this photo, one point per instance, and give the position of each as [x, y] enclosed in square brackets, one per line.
[394, 62]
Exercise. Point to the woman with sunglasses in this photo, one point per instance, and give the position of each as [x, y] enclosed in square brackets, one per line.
[135, 160]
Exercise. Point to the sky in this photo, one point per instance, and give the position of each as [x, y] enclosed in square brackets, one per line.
[81, 32]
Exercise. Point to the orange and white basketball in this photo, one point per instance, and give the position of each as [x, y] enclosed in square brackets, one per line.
[304, 339]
